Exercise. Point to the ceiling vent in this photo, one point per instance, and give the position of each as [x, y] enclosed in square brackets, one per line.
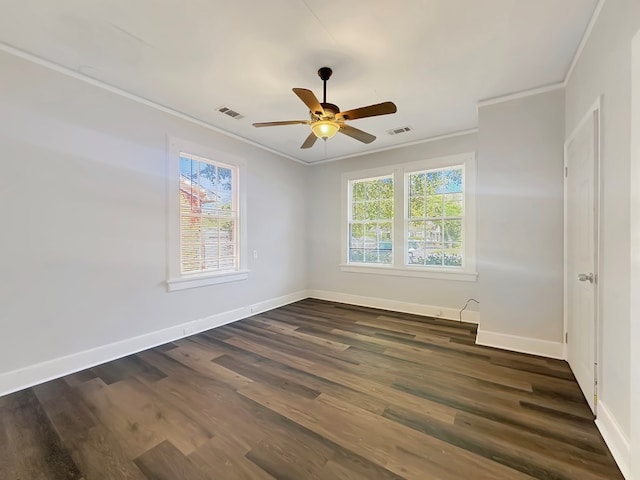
[396, 131]
[231, 113]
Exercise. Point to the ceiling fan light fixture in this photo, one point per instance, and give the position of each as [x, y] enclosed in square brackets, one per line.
[325, 128]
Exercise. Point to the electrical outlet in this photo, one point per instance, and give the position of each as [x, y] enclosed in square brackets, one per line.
[255, 254]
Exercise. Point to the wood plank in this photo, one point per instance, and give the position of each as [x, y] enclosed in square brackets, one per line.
[29, 446]
[165, 462]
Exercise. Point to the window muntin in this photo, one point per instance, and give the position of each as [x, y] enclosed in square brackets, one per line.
[434, 235]
[208, 215]
[371, 220]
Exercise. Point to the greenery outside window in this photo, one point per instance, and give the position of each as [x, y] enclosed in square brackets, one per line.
[436, 217]
[371, 220]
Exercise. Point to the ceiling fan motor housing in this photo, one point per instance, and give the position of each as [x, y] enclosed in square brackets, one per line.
[330, 110]
[325, 73]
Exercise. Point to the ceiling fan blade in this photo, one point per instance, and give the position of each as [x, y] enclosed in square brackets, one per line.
[287, 122]
[384, 108]
[364, 137]
[311, 139]
[310, 100]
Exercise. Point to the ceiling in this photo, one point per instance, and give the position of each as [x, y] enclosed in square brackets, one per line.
[435, 59]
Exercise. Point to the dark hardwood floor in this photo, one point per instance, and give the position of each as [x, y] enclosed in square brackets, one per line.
[313, 390]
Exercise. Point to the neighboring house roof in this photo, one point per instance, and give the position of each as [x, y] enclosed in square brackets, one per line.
[195, 193]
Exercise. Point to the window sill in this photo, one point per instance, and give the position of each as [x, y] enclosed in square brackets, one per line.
[204, 279]
[415, 272]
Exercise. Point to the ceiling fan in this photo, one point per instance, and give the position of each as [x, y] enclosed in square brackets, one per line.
[327, 119]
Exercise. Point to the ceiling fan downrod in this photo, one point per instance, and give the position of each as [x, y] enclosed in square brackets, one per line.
[325, 74]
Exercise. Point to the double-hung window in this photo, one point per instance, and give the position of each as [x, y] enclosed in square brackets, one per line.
[206, 219]
[415, 219]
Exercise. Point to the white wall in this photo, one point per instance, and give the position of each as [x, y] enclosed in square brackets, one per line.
[604, 69]
[520, 216]
[83, 206]
[324, 217]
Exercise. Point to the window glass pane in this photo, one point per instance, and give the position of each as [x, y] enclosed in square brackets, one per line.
[358, 191]
[358, 211]
[417, 230]
[372, 190]
[386, 209]
[434, 206]
[225, 189]
[415, 252]
[372, 210]
[370, 235]
[452, 231]
[453, 255]
[416, 207]
[189, 200]
[186, 167]
[207, 178]
[434, 183]
[434, 258]
[433, 232]
[453, 205]
[356, 231]
[386, 232]
[452, 180]
[386, 188]
[417, 184]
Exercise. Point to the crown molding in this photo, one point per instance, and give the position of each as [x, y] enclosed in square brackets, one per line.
[522, 94]
[554, 86]
[402, 145]
[585, 39]
[136, 98]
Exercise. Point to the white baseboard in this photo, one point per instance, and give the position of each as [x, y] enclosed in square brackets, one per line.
[618, 443]
[533, 346]
[448, 313]
[42, 372]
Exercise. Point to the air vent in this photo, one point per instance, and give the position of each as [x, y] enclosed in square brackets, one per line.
[230, 113]
[396, 131]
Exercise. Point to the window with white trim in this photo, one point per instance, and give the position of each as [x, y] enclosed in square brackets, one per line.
[207, 223]
[415, 219]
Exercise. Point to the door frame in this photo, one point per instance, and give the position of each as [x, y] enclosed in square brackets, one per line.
[594, 110]
[634, 307]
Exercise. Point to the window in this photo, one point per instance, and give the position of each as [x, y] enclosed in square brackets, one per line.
[435, 217]
[415, 219]
[371, 220]
[206, 217]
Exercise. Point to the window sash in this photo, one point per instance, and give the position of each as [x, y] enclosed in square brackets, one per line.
[425, 250]
[371, 220]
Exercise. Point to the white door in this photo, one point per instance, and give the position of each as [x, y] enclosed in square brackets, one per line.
[581, 248]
